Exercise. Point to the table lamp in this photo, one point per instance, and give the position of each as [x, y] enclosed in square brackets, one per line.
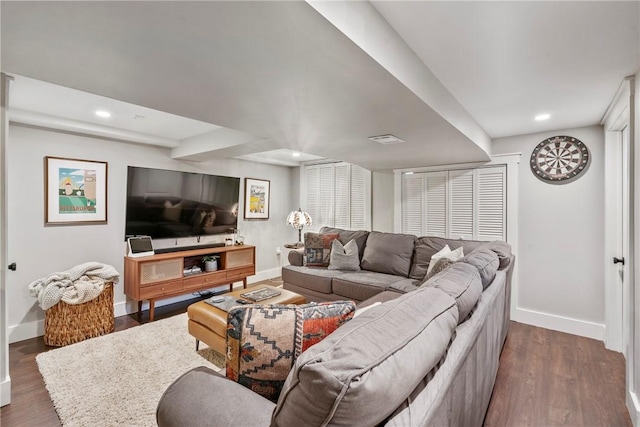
[298, 219]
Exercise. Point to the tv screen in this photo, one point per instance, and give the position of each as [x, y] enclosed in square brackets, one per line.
[168, 204]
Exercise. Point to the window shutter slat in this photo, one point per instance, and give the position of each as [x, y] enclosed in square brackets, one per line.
[359, 196]
[491, 203]
[461, 204]
[412, 204]
[342, 194]
[436, 206]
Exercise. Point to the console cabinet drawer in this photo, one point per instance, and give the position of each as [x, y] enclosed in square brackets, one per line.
[155, 291]
[201, 281]
[239, 273]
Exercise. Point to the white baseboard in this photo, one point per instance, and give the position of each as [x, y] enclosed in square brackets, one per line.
[5, 391]
[633, 406]
[25, 331]
[559, 323]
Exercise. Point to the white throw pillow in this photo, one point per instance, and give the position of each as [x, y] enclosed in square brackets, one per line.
[344, 257]
[445, 252]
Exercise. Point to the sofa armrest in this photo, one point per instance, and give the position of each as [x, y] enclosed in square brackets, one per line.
[296, 257]
[203, 397]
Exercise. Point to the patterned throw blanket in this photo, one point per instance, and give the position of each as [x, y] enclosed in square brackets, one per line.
[77, 285]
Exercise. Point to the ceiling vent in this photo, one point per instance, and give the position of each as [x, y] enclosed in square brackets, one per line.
[386, 139]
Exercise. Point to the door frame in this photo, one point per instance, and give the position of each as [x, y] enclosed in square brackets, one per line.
[615, 120]
[5, 378]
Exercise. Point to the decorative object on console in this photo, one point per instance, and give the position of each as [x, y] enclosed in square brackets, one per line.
[560, 159]
[210, 262]
[345, 257]
[256, 198]
[75, 191]
[317, 248]
[263, 341]
[298, 219]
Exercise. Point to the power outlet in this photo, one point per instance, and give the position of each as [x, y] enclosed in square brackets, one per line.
[278, 251]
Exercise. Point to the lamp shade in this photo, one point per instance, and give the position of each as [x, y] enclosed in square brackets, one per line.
[298, 219]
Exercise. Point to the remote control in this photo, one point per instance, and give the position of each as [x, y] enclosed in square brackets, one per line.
[241, 301]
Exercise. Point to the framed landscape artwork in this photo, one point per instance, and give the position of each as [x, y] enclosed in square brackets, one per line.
[75, 191]
[256, 198]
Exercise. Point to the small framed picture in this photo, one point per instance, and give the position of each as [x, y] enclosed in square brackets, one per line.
[75, 191]
[256, 198]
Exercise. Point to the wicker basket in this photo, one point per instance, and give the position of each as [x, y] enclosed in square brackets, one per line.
[68, 323]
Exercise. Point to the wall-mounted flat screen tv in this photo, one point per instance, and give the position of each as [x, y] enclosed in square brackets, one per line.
[168, 204]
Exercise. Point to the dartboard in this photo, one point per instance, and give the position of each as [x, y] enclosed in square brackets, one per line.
[560, 159]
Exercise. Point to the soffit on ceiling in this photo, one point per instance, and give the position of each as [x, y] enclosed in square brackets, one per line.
[276, 70]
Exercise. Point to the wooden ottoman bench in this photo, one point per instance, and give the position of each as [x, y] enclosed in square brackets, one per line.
[209, 324]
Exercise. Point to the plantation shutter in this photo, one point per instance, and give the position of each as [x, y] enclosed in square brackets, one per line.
[342, 194]
[491, 207]
[360, 201]
[312, 188]
[412, 203]
[456, 204]
[436, 204]
[337, 195]
[461, 193]
[325, 197]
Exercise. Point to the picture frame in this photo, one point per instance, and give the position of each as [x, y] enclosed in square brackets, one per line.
[257, 193]
[75, 191]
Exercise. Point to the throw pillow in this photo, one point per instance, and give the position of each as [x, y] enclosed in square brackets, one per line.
[263, 341]
[445, 252]
[438, 266]
[344, 257]
[317, 248]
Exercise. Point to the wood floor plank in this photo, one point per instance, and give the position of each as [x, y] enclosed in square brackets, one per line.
[546, 378]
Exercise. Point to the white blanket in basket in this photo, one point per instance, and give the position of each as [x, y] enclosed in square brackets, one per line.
[77, 285]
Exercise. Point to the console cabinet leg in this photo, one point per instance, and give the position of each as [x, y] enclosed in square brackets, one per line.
[139, 310]
[244, 283]
[152, 307]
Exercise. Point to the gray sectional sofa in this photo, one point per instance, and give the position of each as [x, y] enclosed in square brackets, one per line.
[427, 355]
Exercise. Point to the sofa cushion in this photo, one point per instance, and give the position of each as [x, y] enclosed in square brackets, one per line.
[360, 236]
[462, 282]
[427, 246]
[360, 285]
[263, 341]
[314, 278]
[502, 249]
[487, 263]
[317, 248]
[361, 373]
[388, 253]
[344, 257]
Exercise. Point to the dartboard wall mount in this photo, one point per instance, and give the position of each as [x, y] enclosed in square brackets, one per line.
[560, 159]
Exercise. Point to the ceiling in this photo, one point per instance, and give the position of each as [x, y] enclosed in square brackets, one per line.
[261, 80]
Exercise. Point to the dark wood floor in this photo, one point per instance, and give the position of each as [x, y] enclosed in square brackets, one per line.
[546, 378]
[549, 378]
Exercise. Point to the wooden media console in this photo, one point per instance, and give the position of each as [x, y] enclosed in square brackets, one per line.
[163, 275]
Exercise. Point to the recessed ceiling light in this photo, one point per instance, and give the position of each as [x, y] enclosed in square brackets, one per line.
[386, 139]
[102, 113]
[541, 117]
[295, 154]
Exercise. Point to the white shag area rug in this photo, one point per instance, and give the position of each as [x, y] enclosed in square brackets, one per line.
[118, 379]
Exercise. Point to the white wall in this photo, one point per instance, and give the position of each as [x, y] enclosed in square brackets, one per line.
[40, 250]
[561, 240]
[382, 201]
